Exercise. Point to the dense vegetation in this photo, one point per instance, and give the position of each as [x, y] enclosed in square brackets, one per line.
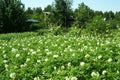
[67, 44]
[68, 56]
[13, 17]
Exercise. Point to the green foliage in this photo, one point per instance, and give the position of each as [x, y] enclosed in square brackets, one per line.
[51, 31]
[38, 10]
[98, 13]
[98, 25]
[109, 15]
[56, 30]
[113, 24]
[29, 12]
[36, 26]
[74, 31]
[83, 14]
[62, 57]
[48, 8]
[63, 11]
[12, 15]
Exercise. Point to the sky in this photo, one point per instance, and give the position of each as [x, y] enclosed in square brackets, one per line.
[99, 5]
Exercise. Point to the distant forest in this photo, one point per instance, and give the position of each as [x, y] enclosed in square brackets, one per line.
[13, 17]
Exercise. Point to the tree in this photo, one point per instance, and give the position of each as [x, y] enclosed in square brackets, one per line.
[29, 12]
[117, 18]
[109, 15]
[63, 11]
[12, 16]
[83, 14]
[98, 13]
[48, 8]
[38, 10]
[97, 25]
[0, 21]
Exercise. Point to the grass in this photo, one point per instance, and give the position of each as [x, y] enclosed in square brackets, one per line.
[30, 56]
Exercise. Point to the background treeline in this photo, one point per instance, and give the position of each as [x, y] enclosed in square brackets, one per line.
[13, 17]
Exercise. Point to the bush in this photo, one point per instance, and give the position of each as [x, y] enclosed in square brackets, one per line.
[51, 31]
[112, 24]
[56, 30]
[97, 25]
[74, 31]
[36, 26]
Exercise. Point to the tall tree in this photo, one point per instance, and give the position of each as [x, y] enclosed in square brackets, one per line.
[29, 12]
[63, 11]
[98, 13]
[83, 14]
[38, 10]
[12, 15]
[109, 15]
[0, 21]
[48, 8]
[117, 18]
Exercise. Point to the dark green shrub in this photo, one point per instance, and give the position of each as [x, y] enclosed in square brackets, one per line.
[74, 31]
[97, 25]
[36, 26]
[56, 30]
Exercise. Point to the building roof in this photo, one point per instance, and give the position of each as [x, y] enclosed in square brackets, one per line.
[46, 13]
[32, 21]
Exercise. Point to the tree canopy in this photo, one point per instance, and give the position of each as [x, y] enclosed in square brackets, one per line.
[12, 16]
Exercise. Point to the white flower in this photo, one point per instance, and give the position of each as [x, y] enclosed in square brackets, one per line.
[58, 72]
[23, 65]
[6, 66]
[50, 79]
[95, 74]
[100, 56]
[28, 53]
[95, 59]
[118, 72]
[55, 67]
[62, 67]
[4, 56]
[17, 55]
[14, 50]
[82, 63]
[36, 78]
[38, 61]
[15, 67]
[43, 72]
[34, 52]
[87, 56]
[31, 50]
[55, 56]
[107, 42]
[69, 64]
[46, 59]
[12, 75]
[47, 50]
[110, 60]
[48, 53]
[74, 78]
[5, 61]
[104, 72]
[71, 50]
[73, 54]
[104, 19]
[28, 59]
[67, 78]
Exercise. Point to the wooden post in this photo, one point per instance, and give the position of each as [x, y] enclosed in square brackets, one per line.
[45, 17]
